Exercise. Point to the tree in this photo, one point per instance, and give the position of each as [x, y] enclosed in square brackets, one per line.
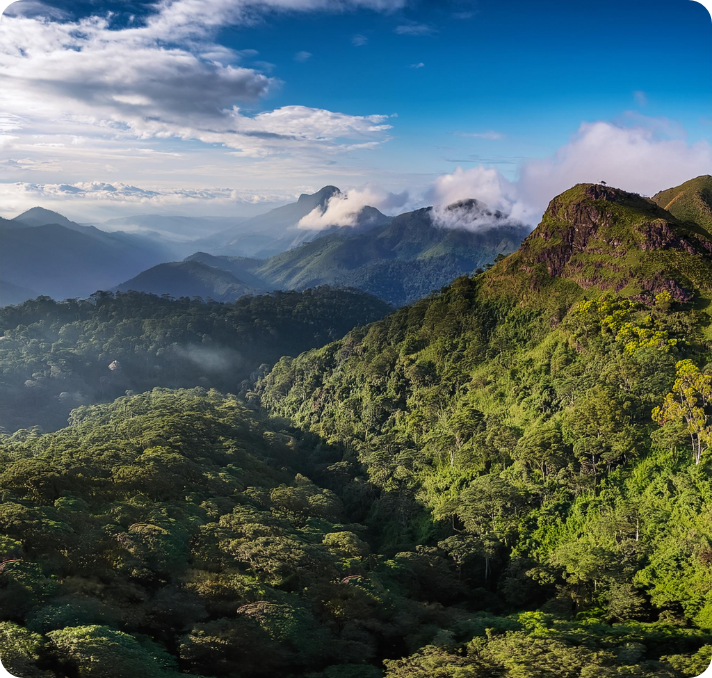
[689, 400]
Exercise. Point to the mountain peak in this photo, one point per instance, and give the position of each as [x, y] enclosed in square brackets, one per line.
[603, 237]
[320, 197]
[39, 216]
[690, 202]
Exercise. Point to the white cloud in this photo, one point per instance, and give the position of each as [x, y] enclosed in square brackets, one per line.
[359, 40]
[301, 57]
[6, 141]
[343, 209]
[95, 200]
[639, 158]
[164, 78]
[418, 65]
[487, 185]
[31, 8]
[413, 28]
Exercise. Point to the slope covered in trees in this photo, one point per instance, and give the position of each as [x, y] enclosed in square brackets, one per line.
[510, 478]
[178, 532]
[510, 422]
[55, 356]
[400, 261]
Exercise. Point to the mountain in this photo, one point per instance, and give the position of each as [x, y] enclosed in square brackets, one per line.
[401, 260]
[276, 231]
[529, 424]
[508, 478]
[597, 238]
[62, 262]
[152, 245]
[692, 201]
[46, 252]
[38, 216]
[12, 294]
[188, 279]
[242, 268]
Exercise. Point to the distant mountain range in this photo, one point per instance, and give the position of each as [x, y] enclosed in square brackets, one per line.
[46, 253]
[277, 230]
[400, 260]
[173, 227]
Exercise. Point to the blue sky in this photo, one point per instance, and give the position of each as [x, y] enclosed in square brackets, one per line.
[133, 110]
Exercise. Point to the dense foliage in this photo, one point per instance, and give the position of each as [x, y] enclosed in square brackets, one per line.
[545, 434]
[508, 479]
[179, 532]
[55, 356]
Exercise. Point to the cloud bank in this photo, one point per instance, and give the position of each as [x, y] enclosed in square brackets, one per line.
[165, 77]
[646, 157]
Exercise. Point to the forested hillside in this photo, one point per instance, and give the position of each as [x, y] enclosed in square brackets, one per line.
[177, 532]
[508, 479]
[401, 261]
[55, 356]
[519, 424]
[189, 279]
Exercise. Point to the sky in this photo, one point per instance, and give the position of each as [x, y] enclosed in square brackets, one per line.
[229, 107]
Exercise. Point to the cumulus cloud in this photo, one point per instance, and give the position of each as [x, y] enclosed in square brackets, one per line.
[343, 209]
[164, 77]
[418, 65]
[641, 158]
[637, 159]
[487, 185]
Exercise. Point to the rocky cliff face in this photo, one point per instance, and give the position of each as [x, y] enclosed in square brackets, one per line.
[600, 236]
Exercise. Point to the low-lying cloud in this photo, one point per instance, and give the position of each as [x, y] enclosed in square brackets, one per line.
[645, 157]
[343, 209]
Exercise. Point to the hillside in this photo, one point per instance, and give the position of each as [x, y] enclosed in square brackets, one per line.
[692, 201]
[243, 268]
[509, 422]
[495, 481]
[188, 279]
[45, 252]
[400, 261]
[276, 231]
[185, 534]
[61, 262]
[56, 356]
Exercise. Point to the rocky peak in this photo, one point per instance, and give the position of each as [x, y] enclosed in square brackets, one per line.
[602, 236]
[320, 198]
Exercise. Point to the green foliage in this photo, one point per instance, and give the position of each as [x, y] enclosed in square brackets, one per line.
[56, 356]
[476, 485]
